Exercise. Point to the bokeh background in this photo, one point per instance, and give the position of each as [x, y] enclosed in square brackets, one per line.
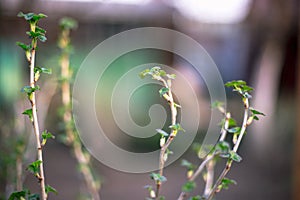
[254, 40]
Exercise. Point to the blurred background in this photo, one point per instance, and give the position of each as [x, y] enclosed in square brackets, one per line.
[254, 40]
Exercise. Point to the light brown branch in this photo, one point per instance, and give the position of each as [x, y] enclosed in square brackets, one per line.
[35, 123]
[235, 148]
[72, 137]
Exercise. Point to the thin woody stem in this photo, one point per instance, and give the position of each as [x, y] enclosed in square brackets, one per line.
[164, 148]
[209, 158]
[72, 136]
[35, 123]
[235, 148]
[196, 174]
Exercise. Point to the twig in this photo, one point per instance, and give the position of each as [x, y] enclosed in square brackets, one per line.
[209, 158]
[73, 140]
[235, 148]
[197, 173]
[35, 123]
[164, 148]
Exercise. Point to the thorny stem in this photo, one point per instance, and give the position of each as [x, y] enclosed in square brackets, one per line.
[196, 174]
[164, 148]
[208, 161]
[244, 126]
[235, 148]
[35, 123]
[226, 125]
[72, 136]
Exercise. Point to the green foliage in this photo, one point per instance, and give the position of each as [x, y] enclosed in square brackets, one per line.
[37, 34]
[68, 23]
[28, 112]
[162, 132]
[156, 73]
[254, 115]
[217, 104]
[187, 164]
[34, 167]
[45, 136]
[31, 17]
[176, 127]
[189, 186]
[241, 87]
[225, 183]
[39, 70]
[48, 189]
[196, 198]
[19, 195]
[163, 91]
[23, 195]
[235, 157]
[222, 148]
[42, 70]
[158, 178]
[29, 90]
[234, 130]
[24, 46]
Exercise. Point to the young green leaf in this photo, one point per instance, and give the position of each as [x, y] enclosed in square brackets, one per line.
[222, 147]
[162, 132]
[29, 113]
[232, 122]
[40, 30]
[31, 17]
[217, 104]
[27, 16]
[189, 186]
[34, 197]
[226, 182]
[48, 189]
[171, 76]
[235, 83]
[68, 23]
[45, 136]
[42, 38]
[235, 157]
[158, 177]
[155, 70]
[166, 155]
[177, 127]
[29, 90]
[162, 72]
[34, 167]
[24, 46]
[163, 91]
[234, 130]
[196, 198]
[39, 16]
[42, 70]
[162, 198]
[256, 112]
[188, 165]
[240, 87]
[144, 73]
[18, 195]
[151, 191]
